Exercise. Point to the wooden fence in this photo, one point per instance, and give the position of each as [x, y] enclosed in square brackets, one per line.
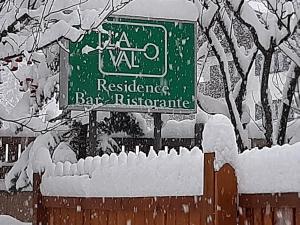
[219, 192]
[17, 205]
[10, 150]
[220, 204]
[269, 209]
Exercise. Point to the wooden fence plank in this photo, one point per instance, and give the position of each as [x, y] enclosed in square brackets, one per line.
[139, 218]
[257, 216]
[79, 215]
[94, 217]
[226, 194]
[102, 217]
[159, 218]
[208, 204]
[171, 217]
[51, 216]
[129, 215]
[267, 216]
[182, 218]
[149, 217]
[250, 216]
[87, 217]
[297, 216]
[195, 217]
[121, 219]
[112, 218]
[242, 217]
[57, 216]
[283, 215]
[72, 213]
[275, 200]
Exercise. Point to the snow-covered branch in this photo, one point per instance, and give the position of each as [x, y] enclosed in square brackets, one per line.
[25, 28]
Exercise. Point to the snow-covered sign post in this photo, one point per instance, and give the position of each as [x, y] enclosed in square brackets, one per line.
[134, 64]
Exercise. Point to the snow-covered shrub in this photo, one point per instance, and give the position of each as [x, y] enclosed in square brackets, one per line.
[63, 152]
[35, 159]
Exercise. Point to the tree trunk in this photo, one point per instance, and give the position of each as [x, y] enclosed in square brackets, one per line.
[233, 117]
[239, 140]
[266, 105]
[286, 107]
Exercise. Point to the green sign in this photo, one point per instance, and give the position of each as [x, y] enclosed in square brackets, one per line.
[134, 65]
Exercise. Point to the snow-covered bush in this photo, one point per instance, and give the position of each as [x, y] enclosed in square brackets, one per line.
[35, 159]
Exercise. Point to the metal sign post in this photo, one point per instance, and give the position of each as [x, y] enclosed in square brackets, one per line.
[157, 131]
[92, 133]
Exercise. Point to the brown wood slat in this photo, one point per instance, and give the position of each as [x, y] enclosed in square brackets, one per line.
[149, 217]
[257, 216]
[242, 216]
[273, 200]
[297, 216]
[87, 217]
[121, 219]
[103, 217]
[267, 216]
[149, 203]
[182, 218]
[95, 217]
[226, 195]
[57, 216]
[51, 216]
[59, 202]
[112, 218]
[208, 200]
[170, 217]
[159, 218]
[79, 215]
[139, 217]
[65, 216]
[72, 214]
[195, 217]
[129, 215]
[250, 216]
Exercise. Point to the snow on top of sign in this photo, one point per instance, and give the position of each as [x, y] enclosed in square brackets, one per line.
[269, 170]
[166, 9]
[132, 175]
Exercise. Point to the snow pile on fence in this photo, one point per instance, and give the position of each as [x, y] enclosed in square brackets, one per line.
[269, 170]
[219, 137]
[132, 175]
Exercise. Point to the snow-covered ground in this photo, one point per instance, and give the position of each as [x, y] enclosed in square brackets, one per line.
[8, 220]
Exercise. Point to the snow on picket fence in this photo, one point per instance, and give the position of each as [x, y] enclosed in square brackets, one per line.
[132, 175]
[269, 170]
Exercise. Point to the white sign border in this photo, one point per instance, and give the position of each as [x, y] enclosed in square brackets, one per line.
[140, 74]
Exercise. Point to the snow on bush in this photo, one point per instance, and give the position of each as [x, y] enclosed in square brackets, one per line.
[219, 137]
[17, 172]
[63, 153]
[8, 220]
[35, 159]
[269, 170]
[132, 175]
